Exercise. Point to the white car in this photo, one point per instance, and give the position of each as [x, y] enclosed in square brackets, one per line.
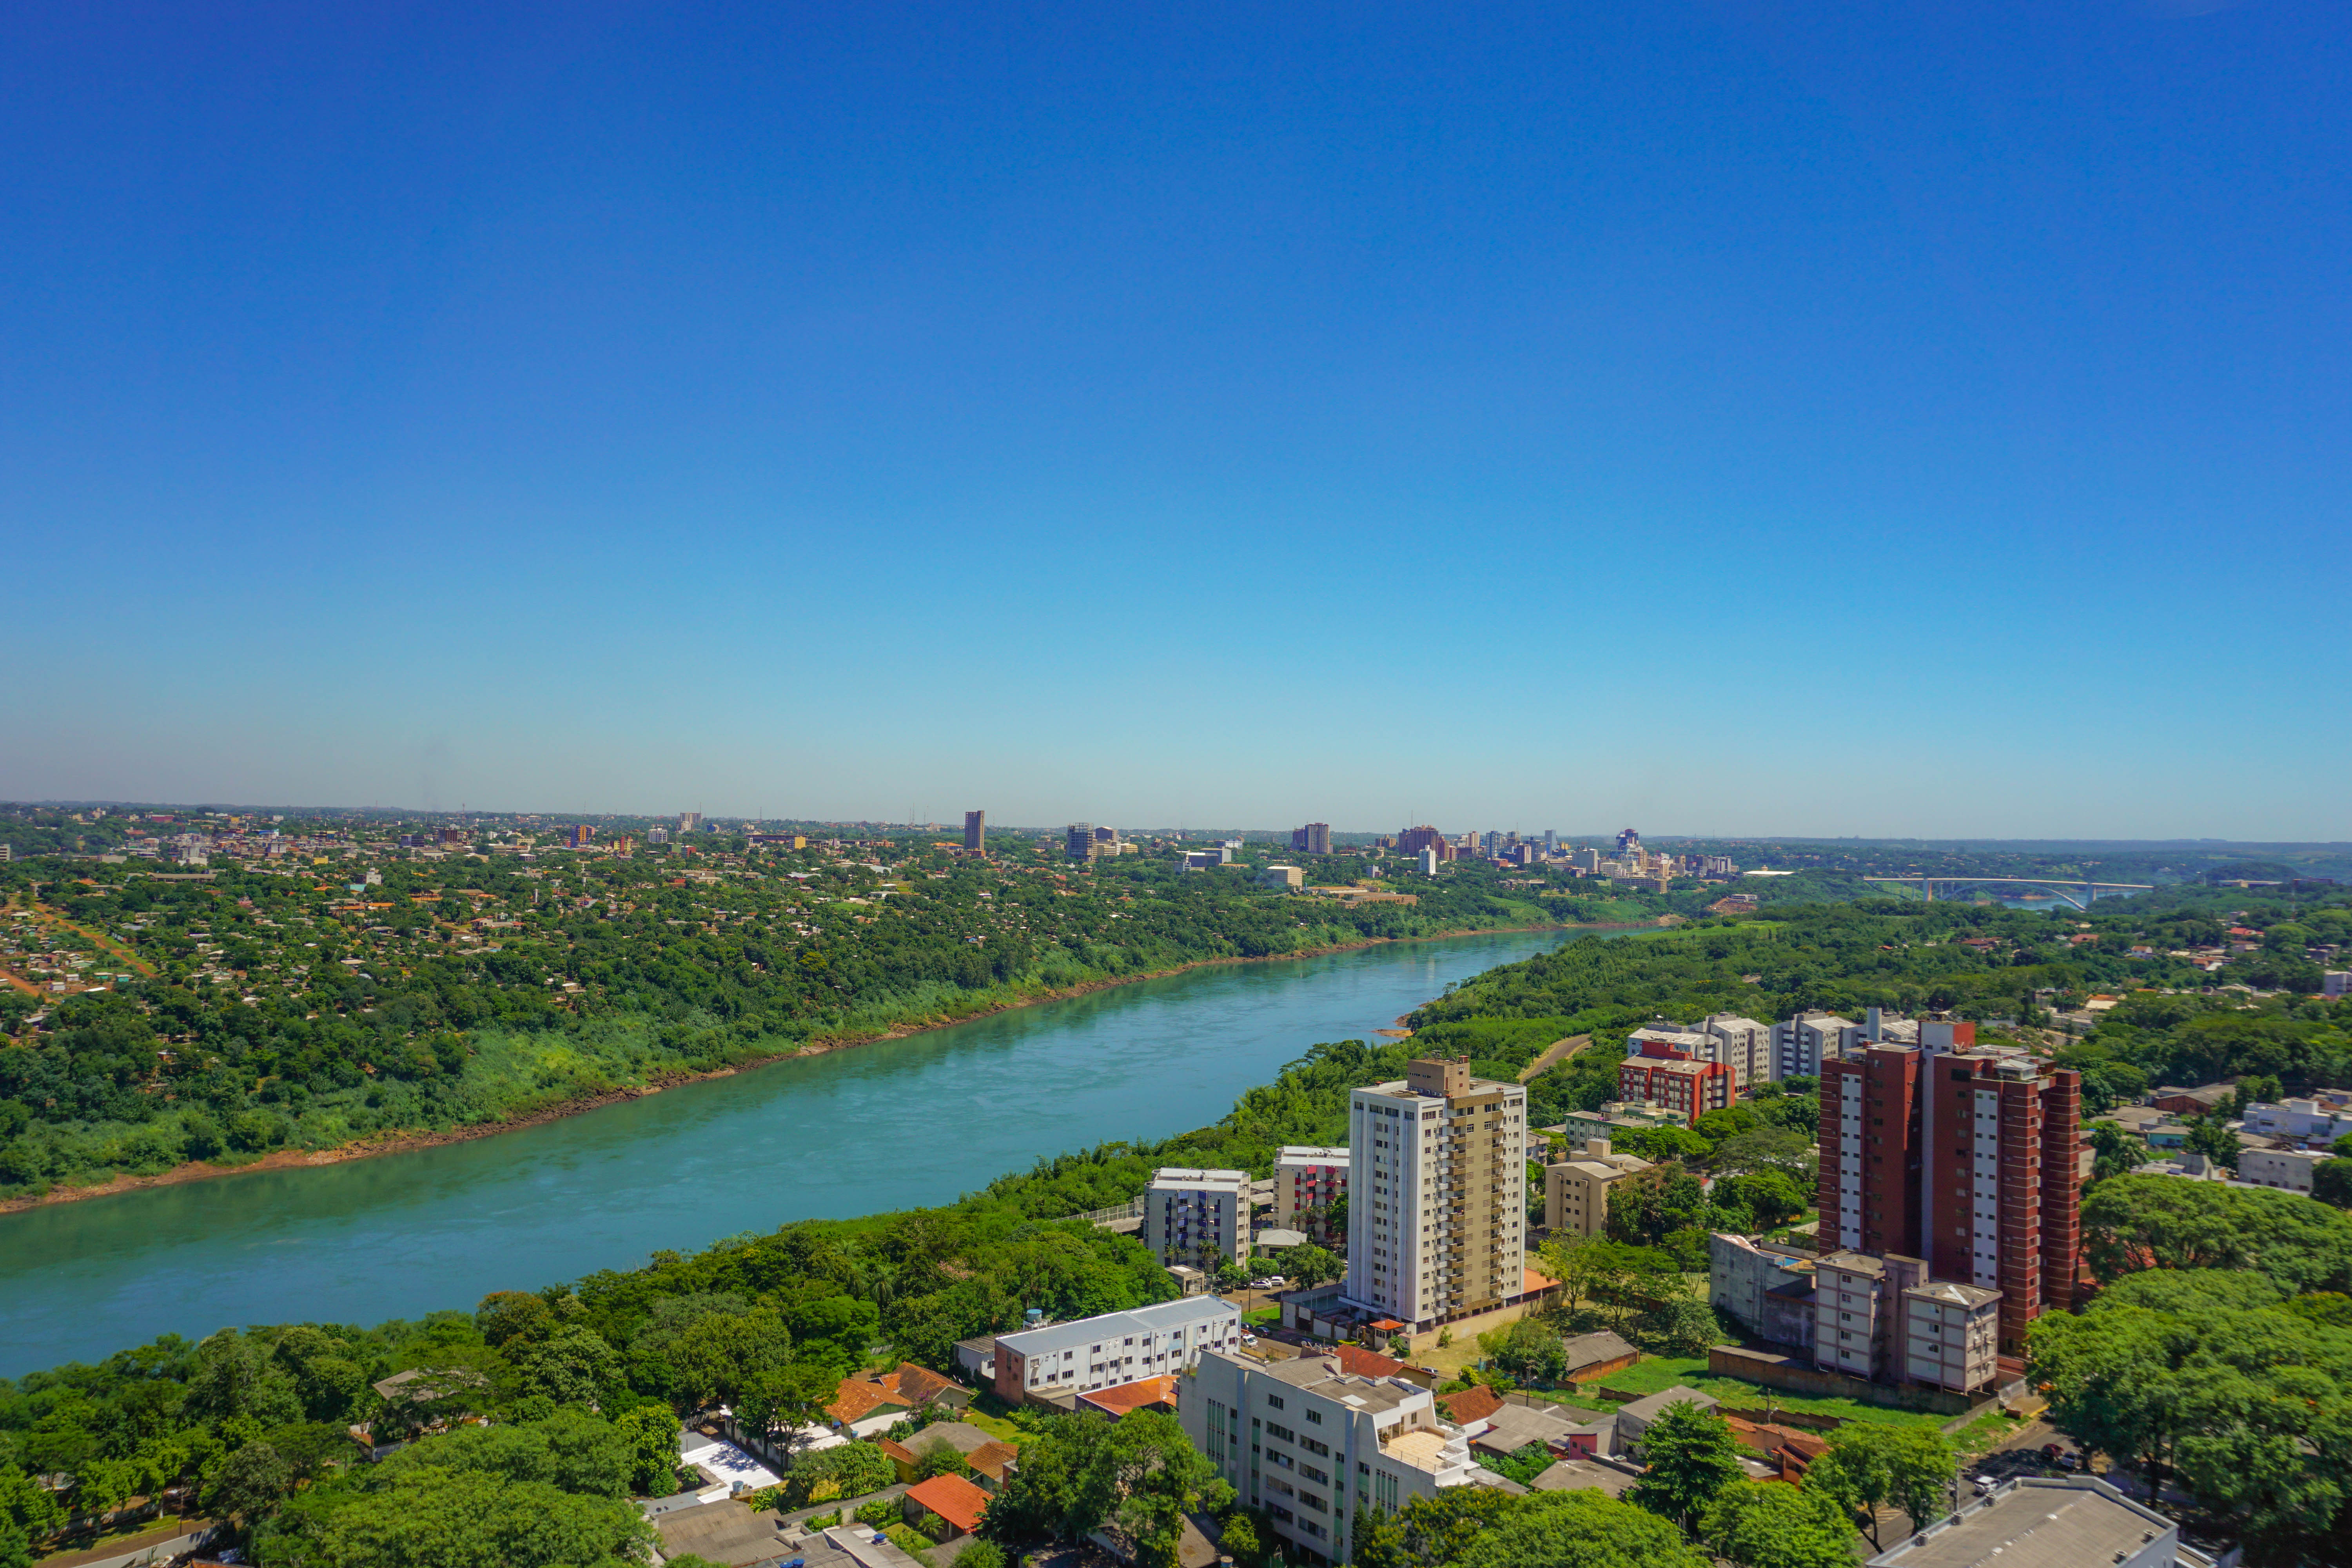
[1249, 1339]
[1984, 1485]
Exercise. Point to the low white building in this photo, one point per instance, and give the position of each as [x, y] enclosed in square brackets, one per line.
[2290, 1170]
[1088, 1353]
[1197, 1217]
[2307, 1120]
[1309, 1445]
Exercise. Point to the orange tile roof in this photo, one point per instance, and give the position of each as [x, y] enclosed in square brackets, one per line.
[1531, 1281]
[917, 1384]
[856, 1401]
[1471, 1404]
[953, 1499]
[1358, 1362]
[1140, 1394]
[904, 1388]
[993, 1460]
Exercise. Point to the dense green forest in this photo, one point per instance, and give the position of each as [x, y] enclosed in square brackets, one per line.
[250, 1009]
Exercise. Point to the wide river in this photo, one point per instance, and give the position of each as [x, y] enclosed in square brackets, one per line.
[892, 1125]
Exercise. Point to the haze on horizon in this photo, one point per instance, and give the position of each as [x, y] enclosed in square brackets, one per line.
[1720, 419]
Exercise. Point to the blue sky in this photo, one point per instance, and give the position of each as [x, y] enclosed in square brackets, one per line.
[1744, 417]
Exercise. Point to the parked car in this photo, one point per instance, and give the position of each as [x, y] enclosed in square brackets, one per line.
[1985, 1484]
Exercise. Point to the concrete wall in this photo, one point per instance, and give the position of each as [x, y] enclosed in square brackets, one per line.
[1786, 1372]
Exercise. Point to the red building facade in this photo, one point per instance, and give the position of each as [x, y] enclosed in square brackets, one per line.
[1687, 1088]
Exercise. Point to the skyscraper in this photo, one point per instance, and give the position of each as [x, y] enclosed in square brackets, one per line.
[1413, 840]
[1079, 841]
[1315, 838]
[688, 820]
[975, 832]
[1437, 1194]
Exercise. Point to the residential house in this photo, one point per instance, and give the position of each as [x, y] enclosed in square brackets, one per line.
[1636, 1418]
[1144, 1393]
[863, 1407]
[955, 1500]
[2200, 1102]
[1562, 1429]
[962, 1437]
[1470, 1405]
[1589, 1358]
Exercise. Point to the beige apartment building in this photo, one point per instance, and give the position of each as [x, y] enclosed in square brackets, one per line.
[1575, 1190]
[1437, 1195]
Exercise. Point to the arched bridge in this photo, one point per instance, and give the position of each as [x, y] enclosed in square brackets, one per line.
[2076, 892]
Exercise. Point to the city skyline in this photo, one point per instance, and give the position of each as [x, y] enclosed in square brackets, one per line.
[1740, 418]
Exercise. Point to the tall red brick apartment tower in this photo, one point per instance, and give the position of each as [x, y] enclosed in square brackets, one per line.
[2002, 1135]
[1968, 1159]
[1868, 1191]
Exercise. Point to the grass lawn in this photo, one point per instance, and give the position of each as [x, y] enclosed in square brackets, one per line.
[1262, 1315]
[1979, 1436]
[996, 1426]
[1656, 1374]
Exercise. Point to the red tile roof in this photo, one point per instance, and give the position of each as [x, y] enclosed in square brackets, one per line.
[856, 1401]
[993, 1460]
[1140, 1394]
[1471, 1404]
[1358, 1362]
[953, 1499]
[905, 1388]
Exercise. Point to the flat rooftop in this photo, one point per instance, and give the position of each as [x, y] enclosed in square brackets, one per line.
[1159, 1318]
[2068, 1521]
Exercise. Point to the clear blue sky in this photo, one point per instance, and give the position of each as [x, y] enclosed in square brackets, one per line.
[1808, 418]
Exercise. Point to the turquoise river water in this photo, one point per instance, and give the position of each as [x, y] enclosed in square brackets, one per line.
[896, 1124]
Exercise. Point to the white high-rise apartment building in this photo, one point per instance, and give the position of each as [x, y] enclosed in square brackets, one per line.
[1801, 1044]
[1743, 1045]
[1437, 1194]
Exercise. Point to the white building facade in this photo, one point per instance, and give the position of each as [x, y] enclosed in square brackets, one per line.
[1078, 1357]
[1310, 1445]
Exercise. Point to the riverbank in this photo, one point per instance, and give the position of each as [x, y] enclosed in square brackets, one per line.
[580, 1105]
